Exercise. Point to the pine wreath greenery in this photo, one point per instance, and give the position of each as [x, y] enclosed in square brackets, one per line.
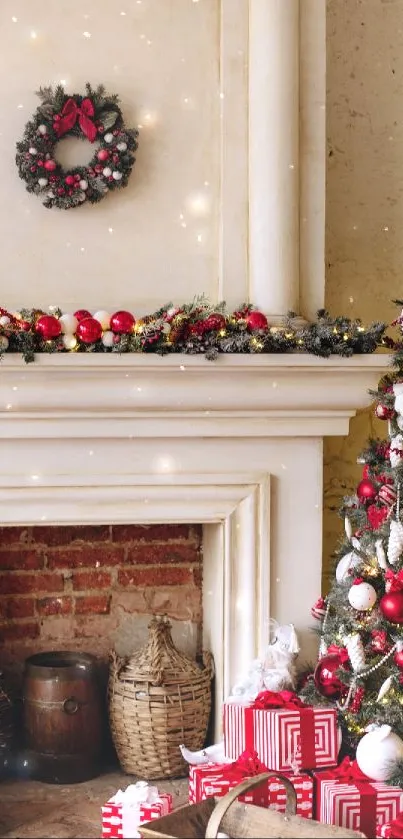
[97, 117]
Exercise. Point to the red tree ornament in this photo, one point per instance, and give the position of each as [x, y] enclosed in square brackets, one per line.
[356, 701]
[256, 321]
[122, 322]
[325, 677]
[89, 330]
[80, 314]
[377, 515]
[48, 327]
[398, 658]
[366, 491]
[391, 606]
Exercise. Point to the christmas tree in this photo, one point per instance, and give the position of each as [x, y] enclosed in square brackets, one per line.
[360, 665]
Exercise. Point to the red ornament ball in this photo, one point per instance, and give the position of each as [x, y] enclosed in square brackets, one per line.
[398, 659]
[256, 320]
[384, 413]
[391, 606]
[48, 327]
[24, 325]
[89, 330]
[214, 321]
[103, 154]
[122, 322]
[325, 678]
[80, 314]
[366, 491]
[69, 180]
[50, 165]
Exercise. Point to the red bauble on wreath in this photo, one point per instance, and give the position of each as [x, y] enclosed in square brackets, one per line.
[325, 676]
[391, 606]
[384, 413]
[398, 658]
[80, 314]
[89, 330]
[215, 321]
[366, 491]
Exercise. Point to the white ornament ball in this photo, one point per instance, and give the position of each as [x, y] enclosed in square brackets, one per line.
[68, 323]
[107, 172]
[50, 194]
[33, 150]
[122, 146]
[69, 341]
[43, 181]
[104, 318]
[108, 137]
[83, 184]
[378, 751]
[108, 339]
[3, 342]
[42, 129]
[117, 176]
[349, 560]
[362, 596]
[4, 320]
[81, 196]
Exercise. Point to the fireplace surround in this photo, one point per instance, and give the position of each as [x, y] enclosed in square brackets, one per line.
[235, 445]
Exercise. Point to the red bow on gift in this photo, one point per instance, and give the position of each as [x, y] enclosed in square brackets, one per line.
[70, 113]
[281, 699]
[349, 772]
[247, 765]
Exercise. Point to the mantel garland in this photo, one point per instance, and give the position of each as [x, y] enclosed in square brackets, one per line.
[195, 328]
[96, 116]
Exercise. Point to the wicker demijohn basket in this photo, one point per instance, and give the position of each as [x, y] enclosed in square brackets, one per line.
[158, 698]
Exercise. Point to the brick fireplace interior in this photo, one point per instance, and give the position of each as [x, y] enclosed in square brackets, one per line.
[91, 588]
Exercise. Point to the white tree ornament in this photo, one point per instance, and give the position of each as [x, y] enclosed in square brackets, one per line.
[349, 560]
[378, 751]
[396, 450]
[348, 528]
[380, 554]
[395, 543]
[355, 651]
[362, 596]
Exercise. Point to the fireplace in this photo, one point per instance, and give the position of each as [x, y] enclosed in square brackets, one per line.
[234, 446]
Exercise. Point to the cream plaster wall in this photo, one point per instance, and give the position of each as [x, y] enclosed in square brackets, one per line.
[157, 239]
[364, 242]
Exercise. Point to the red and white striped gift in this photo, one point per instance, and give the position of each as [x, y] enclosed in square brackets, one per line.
[305, 738]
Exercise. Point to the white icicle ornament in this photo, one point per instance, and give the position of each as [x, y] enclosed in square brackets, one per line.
[348, 528]
[349, 560]
[396, 450]
[355, 651]
[395, 543]
[380, 554]
[378, 751]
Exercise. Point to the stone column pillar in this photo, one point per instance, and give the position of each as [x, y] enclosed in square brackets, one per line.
[274, 60]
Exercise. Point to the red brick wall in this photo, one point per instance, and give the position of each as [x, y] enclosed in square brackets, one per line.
[91, 587]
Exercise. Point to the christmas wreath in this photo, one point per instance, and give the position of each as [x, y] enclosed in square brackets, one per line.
[95, 117]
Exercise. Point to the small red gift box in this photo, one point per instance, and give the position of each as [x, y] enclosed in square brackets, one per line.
[215, 779]
[120, 819]
[284, 732]
[391, 830]
[346, 797]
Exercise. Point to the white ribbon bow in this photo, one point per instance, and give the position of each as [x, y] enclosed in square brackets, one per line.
[131, 800]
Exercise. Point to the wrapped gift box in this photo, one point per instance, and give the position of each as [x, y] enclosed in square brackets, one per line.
[346, 797]
[125, 811]
[217, 779]
[286, 734]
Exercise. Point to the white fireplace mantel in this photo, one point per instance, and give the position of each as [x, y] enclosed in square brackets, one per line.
[235, 444]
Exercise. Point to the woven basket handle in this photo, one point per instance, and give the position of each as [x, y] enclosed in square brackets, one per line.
[224, 804]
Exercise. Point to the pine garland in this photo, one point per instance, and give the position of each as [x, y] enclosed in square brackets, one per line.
[197, 328]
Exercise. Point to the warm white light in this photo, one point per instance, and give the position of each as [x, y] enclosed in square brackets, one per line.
[35, 477]
[182, 367]
[20, 106]
[351, 299]
[87, 34]
[123, 14]
[198, 204]
[82, 250]
[142, 37]
[33, 35]
[221, 95]
[9, 406]
[199, 237]
[149, 43]
[110, 229]
[14, 19]
[386, 229]
[163, 464]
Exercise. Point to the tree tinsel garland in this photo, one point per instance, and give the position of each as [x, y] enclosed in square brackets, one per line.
[195, 328]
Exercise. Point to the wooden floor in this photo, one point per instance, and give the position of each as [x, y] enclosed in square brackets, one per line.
[29, 809]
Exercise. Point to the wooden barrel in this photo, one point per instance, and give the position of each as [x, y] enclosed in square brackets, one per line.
[63, 717]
